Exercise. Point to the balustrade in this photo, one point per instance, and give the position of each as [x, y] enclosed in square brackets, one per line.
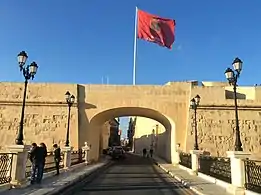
[217, 167]
[253, 175]
[185, 159]
[5, 167]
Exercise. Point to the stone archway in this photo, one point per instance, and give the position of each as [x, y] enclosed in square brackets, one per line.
[103, 116]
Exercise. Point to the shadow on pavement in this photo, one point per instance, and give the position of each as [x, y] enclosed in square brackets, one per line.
[132, 174]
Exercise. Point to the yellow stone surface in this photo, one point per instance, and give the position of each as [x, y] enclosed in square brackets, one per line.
[46, 114]
[104, 136]
[148, 134]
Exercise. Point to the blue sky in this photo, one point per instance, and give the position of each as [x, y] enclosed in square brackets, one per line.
[82, 41]
[124, 124]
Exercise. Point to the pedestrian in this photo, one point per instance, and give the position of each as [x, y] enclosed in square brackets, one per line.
[33, 159]
[144, 151]
[57, 157]
[45, 151]
[151, 152]
[41, 158]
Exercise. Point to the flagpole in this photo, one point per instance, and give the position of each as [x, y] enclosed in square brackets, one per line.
[135, 49]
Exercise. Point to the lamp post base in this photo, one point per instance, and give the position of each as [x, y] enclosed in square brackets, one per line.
[237, 164]
[238, 148]
[19, 142]
[195, 161]
[18, 164]
[67, 157]
[196, 148]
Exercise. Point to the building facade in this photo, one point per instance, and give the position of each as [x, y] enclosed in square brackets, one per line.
[148, 134]
[131, 131]
[114, 139]
[104, 136]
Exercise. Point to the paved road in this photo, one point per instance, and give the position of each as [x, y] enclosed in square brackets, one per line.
[134, 175]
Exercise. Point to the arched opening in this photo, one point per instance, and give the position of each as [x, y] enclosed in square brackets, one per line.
[169, 136]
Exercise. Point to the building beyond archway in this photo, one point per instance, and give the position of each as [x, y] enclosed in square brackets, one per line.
[168, 138]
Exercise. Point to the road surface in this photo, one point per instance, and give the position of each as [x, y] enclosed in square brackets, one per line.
[132, 176]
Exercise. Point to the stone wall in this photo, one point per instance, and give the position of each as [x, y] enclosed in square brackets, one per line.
[104, 136]
[216, 130]
[41, 124]
[216, 120]
[45, 114]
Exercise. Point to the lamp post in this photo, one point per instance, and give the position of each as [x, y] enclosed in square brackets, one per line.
[232, 77]
[29, 72]
[69, 100]
[194, 103]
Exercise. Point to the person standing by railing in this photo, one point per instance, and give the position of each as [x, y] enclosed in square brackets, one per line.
[41, 153]
[57, 157]
[33, 159]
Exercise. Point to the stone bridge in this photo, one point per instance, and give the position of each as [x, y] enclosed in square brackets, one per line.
[46, 113]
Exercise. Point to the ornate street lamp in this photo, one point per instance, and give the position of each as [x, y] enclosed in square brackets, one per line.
[194, 103]
[232, 77]
[29, 72]
[69, 100]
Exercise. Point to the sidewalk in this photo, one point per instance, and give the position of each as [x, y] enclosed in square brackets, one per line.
[195, 183]
[55, 184]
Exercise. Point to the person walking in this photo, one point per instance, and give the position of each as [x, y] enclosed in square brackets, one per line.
[33, 159]
[57, 158]
[151, 152]
[144, 151]
[41, 158]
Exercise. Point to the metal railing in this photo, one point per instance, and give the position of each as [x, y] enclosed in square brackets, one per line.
[49, 164]
[185, 159]
[6, 160]
[217, 167]
[253, 175]
[77, 157]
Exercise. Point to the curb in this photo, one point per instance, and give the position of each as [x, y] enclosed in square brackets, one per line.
[182, 181]
[71, 183]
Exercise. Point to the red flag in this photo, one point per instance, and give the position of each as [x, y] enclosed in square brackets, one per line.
[155, 29]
